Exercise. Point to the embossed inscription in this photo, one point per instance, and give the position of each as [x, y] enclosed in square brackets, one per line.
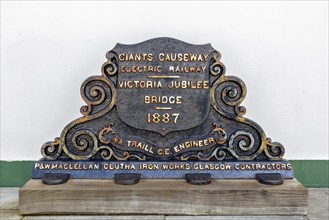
[166, 83]
[243, 167]
[154, 82]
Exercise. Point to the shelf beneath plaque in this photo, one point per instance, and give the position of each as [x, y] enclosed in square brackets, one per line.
[164, 197]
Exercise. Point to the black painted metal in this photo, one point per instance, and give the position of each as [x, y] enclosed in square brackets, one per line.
[198, 178]
[270, 178]
[55, 178]
[115, 114]
[162, 100]
[127, 178]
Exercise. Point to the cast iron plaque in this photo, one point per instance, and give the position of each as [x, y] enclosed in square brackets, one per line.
[162, 100]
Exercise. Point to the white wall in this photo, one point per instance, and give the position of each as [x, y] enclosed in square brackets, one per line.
[279, 49]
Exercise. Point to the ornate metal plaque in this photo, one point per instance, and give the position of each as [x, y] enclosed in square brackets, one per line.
[163, 108]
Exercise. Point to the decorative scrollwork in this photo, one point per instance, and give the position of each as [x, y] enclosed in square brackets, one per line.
[80, 140]
[110, 67]
[83, 145]
[274, 150]
[217, 68]
[98, 93]
[227, 95]
[219, 153]
[197, 155]
[245, 140]
[85, 110]
[232, 94]
[107, 153]
[52, 149]
[243, 146]
[240, 110]
[106, 130]
[221, 132]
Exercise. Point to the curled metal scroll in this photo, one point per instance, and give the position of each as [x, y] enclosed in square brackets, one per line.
[107, 153]
[217, 68]
[245, 140]
[84, 144]
[99, 94]
[274, 150]
[51, 149]
[110, 67]
[227, 93]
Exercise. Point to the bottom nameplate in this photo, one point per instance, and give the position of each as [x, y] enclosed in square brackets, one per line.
[161, 170]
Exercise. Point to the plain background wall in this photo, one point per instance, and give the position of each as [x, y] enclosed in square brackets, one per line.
[279, 49]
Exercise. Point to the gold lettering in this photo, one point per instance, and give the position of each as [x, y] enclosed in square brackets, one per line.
[121, 57]
[161, 57]
[193, 57]
[284, 166]
[163, 99]
[179, 57]
[177, 84]
[205, 57]
[136, 57]
[211, 140]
